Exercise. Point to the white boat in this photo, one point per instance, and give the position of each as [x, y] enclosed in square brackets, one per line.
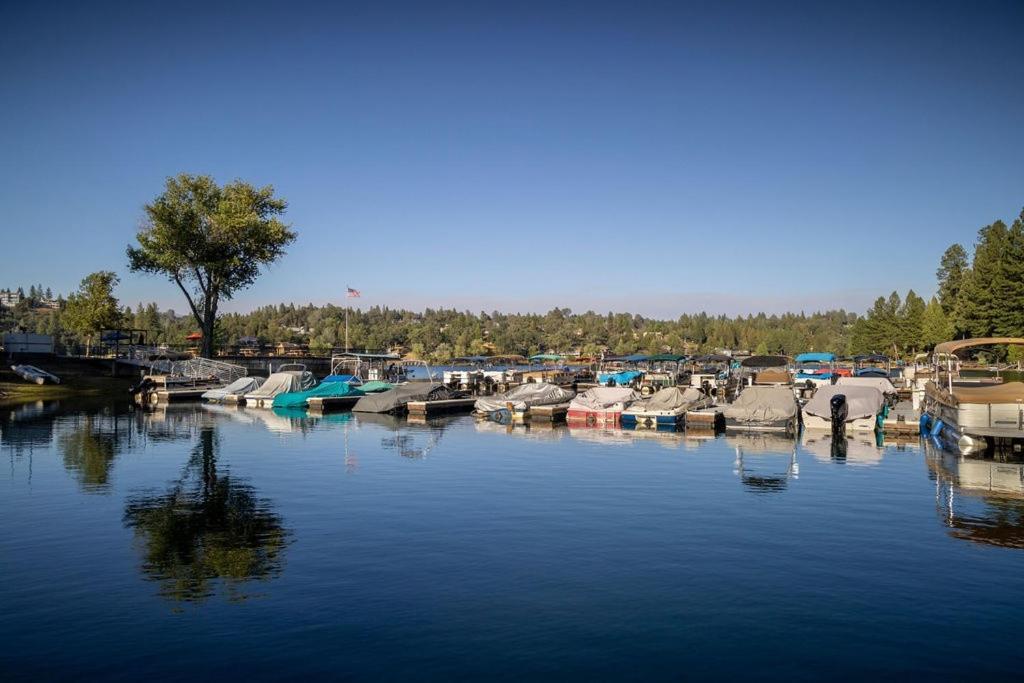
[237, 389]
[33, 374]
[973, 415]
[835, 407]
[288, 378]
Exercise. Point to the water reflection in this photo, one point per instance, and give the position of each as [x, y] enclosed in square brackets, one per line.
[765, 463]
[89, 443]
[854, 449]
[208, 530]
[981, 499]
[410, 438]
[26, 427]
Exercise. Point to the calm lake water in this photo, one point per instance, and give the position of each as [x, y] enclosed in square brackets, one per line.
[203, 542]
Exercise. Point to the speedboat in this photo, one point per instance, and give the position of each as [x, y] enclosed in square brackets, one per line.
[288, 378]
[840, 408]
[667, 408]
[764, 409]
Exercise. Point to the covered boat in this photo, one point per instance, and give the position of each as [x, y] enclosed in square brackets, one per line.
[666, 408]
[522, 398]
[764, 409]
[240, 387]
[864, 407]
[767, 370]
[300, 399]
[288, 378]
[33, 374]
[601, 405]
[883, 384]
[396, 400]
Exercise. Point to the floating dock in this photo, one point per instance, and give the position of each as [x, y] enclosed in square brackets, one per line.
[552, 413]
[706, 419]
[902, 421]
[444, 406]
[330, 404]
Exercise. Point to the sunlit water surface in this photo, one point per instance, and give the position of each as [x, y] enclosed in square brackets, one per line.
[202, 542]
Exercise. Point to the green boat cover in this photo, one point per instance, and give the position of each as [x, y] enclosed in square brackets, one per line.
[375, 386]
[299, 399]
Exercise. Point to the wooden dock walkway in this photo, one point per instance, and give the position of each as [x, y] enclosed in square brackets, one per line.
[551, 414]
[331, 404]
[706, 419]
[444, 406]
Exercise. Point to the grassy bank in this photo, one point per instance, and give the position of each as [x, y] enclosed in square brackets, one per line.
[78, 380]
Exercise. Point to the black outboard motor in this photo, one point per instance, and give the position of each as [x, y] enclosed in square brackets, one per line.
[840, 410]
[835, 379]
[144, 385]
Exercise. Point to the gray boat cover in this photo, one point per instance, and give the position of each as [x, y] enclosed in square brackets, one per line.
[861, 401]
[883, 384]
[282, 382]
[396, 399]
[524, 396]
[603, 398]
[763, 405]
[240, 387]
[670, 399]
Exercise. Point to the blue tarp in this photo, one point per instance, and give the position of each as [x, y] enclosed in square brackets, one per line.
[816, 358]
[351, 379]
[635, 358]
[620, 379]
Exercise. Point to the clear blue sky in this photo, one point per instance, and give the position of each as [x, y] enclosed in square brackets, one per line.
[652, 157]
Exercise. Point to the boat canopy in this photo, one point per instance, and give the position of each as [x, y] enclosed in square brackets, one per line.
[861, 401]
[618, 378]
[713, 358]
[816, 357]
[765, 362]
[368, 356]
[633, 358]
[960, 344]
[666, 358]
[872, 358]
[1008, 392]
[546, 357]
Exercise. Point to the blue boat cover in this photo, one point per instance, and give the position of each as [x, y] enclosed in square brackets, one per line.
[620, 379]
[815, 358]
[351, 379]
[300, 399]
[634, 358]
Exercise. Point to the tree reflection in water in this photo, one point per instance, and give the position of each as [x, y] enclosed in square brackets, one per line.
[90, 449]
[209, 530]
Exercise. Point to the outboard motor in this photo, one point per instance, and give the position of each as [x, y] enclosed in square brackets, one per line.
[839, 410]
[838, 449]
[835, 379]
[144, 385]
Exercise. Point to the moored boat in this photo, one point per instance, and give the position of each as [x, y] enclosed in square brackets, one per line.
[667, 408]
[601, 405]
[514, 404]
[764, 409]
[837, 408]
[288, 378]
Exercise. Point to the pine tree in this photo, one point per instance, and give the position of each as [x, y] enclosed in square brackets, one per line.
[911, 318]
[977, 304]
[935, 325]
[1008, 290]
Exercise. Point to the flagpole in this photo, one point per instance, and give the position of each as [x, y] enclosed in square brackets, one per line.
[346, 325]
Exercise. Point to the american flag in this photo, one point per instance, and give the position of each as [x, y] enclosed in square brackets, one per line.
[352, 293]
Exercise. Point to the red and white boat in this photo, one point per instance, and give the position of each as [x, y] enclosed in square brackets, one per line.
[601, 405]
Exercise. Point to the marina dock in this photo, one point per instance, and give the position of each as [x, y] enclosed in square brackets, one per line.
[552, 413]
[444, 406]
[330, 404]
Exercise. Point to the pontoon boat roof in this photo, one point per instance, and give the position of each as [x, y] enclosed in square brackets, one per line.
[872, 358]
[712, 358]
[960, 344]
[546, 356]
[663, 357]
[815, 357]
[368, 356]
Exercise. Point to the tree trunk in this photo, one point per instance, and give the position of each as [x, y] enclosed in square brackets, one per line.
[209, 323]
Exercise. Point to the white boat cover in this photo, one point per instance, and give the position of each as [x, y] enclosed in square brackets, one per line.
[883, 384]
[603, 398]
[240, 387]
[394, 399]
[861, 401]
[281, 382]
[767, 404]
[670, 399]
[524, 396]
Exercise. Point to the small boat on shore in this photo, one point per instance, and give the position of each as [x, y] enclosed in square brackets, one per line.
[667, 408]
[764, 409]
[35, 375]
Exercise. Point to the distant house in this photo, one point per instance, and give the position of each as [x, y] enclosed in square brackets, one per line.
[10, 299]
[290, 349]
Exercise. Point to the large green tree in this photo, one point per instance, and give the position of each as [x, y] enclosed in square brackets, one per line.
[978, 305]
[211, 241]
[950, 275]
[935, 325]
[93, 307]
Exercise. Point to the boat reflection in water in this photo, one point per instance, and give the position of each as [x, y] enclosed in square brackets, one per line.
[409, 438]
[544, 431]
[208, 531]
[981, 499]
[854, 449]
[616, 436]
[765, 462]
